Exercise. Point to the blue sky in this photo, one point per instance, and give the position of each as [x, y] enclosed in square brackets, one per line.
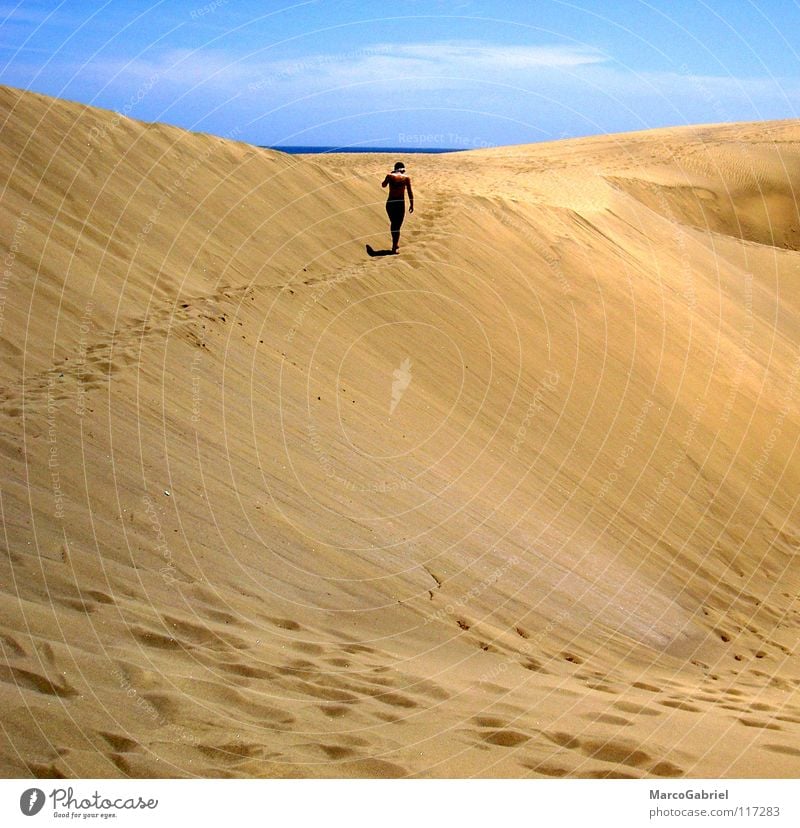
[468, 74]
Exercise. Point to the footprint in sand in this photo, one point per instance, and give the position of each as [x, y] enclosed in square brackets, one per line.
[334, 711]
[489, 721]
[505, 738]
[285, 624]
[607, 718]
[677, 704]
[650, 688]
[759, 724]
[119, 743]
[544, 769]
[573, 659]
[785, 749]
[36, 682]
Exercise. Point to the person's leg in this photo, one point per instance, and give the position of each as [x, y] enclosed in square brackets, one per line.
[389, 212]
[396, 210]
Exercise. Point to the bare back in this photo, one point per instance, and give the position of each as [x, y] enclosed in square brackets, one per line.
[398, 183]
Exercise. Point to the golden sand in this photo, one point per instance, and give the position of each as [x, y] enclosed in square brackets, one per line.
[520, 502]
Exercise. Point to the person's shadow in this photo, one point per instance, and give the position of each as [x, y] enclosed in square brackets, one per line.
[372, 252]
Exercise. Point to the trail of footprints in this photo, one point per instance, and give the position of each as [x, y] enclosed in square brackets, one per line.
[587, 754]
[352, 689]
[91, 367]
[309, 706]
[338, 680]
[569, 754]
[584, 752]
[99, 361]
[345, 682]
[94, 365]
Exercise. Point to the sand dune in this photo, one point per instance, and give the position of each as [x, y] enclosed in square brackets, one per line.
[519, 502]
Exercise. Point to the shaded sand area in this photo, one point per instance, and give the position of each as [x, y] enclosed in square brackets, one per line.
[521, 501]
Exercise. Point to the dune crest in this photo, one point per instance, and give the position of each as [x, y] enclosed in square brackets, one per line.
[518, 502]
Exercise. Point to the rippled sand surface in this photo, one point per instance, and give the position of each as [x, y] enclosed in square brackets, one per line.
[520, 501]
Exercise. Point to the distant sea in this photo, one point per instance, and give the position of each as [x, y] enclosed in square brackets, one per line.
[292, 150]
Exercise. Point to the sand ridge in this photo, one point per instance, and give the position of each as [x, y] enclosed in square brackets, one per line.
[563, 545]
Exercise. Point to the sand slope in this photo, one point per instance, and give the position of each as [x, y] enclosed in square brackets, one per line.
[519, 502]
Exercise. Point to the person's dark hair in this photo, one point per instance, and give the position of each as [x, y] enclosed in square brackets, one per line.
[400, 166]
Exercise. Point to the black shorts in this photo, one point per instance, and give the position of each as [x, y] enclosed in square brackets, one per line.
[396, 210]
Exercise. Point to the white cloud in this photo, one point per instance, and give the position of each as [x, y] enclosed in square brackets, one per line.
[471, 56]
[455, 60]
[451, 60]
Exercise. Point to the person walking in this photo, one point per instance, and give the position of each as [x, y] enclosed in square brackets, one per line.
[398, 182]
